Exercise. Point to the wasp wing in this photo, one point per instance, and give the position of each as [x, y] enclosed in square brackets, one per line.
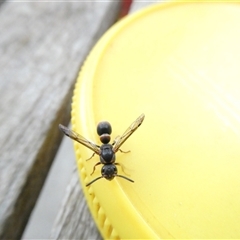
[121, 139]
[77, 137]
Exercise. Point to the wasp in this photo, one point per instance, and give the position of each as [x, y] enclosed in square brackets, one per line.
[107, 151]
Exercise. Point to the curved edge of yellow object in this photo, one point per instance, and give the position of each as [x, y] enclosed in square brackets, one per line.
[82, 113]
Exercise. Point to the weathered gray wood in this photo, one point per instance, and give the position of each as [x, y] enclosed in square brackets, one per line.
[74, 220]
[42, 45]
[137, 5]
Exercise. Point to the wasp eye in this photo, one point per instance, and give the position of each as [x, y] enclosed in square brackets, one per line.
[103, 128]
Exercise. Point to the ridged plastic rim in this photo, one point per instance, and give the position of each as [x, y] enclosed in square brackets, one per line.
[82, 110]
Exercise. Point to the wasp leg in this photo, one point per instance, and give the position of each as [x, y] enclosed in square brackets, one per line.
[95, 167]
[122, 167]
[124, 151]
[91, 157]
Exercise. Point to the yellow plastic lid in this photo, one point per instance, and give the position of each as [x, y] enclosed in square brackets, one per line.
[179, 64]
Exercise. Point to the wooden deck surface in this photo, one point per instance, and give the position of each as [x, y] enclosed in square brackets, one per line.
[42, 47]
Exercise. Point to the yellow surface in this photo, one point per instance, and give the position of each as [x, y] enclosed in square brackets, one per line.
[180, 65]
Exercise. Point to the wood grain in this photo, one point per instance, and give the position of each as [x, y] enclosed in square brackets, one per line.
[42, 47]
[74, 221]
[137, 5]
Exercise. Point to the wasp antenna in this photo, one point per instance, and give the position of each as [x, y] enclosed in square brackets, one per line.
[94, 180]
[130, 180]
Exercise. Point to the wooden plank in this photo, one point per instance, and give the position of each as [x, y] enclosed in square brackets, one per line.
[42, 46]
[74, 220]
[137, 5]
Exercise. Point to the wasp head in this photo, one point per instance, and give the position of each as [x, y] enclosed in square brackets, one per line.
[109, 171]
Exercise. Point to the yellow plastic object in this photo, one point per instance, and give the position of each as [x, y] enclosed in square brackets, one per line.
[179, 63]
